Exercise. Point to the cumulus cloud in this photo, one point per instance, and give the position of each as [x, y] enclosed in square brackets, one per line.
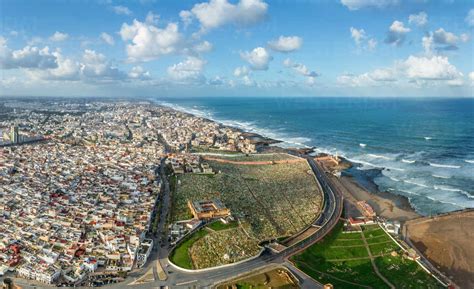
[420, 19]
[358, 35]
[67, 69]
[148, 42]
[397, 33]
[361, 40]
[107, 38]
[442, 40]
[203, 47]
[430, 68]
[470, 18]
[258, 58]
[216, 13]
[27, 57]
[301, 69]
[188, 70]
[286, 43]
[138, 72]
[241, 71]
[426, 69]
[360, 4]
[92, 67]
[95, 65]
[471, 77]
[121, 10]
[58, 36]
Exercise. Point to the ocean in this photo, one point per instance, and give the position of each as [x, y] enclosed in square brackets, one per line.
[422, 148]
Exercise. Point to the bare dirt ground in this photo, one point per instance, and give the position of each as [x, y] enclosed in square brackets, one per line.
[447, 241]
[277, 278]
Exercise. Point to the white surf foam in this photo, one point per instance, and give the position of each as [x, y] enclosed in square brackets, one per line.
[415, 183]
[394, 179]
[428, 138]
[469, 161]
[408, 161]
[379, 157]
[450, 189]
[288, 141]
[444, 166]
[441, 177]
[363, 145]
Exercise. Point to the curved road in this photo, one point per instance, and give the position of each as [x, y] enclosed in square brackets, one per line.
[178, 278]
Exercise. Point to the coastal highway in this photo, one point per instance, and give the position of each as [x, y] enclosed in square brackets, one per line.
[178, 278]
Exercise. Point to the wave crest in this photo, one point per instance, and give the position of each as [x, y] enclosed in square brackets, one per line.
[444, 166]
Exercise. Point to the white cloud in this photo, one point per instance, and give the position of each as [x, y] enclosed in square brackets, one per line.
[187, 70]
[241, 71]
[430, 68]
[152, 18]
[92, 67]
[58, 36]
[95, 66]
[139, 72]
[186, 17]
[67, 70]
[371, 44]
[360, 4]
[203, 47]
[107, 38]
[373, 78]
[216, 13]
[397, 33]
[471, 77]
[286, 43]
[470, 18]
[441, 36]
[361, 40]
[121, 10]
[358, 35]
[428, 43]
[299, 68]
[258, 58]
[420, 19]
[149, 42]
[303, 70]
[27, 57]
[442, 40]
[421, 70]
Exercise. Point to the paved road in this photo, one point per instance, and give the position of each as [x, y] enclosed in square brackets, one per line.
[177, 278]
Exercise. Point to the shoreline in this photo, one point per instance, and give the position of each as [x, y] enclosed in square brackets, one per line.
[386, 204]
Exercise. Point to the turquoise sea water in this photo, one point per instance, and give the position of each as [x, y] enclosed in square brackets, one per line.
[424, 147]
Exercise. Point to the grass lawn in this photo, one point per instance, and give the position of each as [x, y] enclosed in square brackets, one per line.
[405, 273]
[180, 255]
[318, 262]
[218, 225]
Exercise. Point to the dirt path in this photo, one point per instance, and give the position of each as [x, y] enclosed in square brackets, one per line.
[334, 277]
[376, 269]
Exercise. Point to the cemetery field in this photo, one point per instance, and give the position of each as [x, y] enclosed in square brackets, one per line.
[269, 201]
[343, 260]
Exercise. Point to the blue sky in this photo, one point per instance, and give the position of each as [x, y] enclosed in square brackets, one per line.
[237, 48]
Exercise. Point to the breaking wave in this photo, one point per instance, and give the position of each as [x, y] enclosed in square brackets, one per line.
[444, 166]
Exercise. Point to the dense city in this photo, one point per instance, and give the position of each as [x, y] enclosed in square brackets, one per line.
[78, 198]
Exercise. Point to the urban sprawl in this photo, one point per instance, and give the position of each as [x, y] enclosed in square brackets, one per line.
[81, 196]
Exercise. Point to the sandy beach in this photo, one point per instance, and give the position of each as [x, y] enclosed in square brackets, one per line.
[385, 204]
